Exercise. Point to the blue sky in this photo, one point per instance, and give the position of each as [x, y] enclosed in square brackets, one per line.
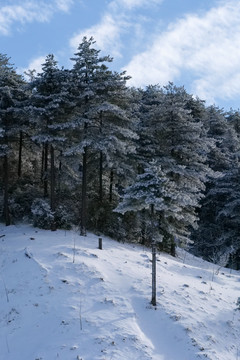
[195, 43]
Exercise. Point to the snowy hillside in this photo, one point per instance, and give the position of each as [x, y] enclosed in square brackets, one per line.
[63, 298]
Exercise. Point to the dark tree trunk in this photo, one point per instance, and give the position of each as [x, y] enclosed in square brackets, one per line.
[6, 185]
[101, 177]
[42, 164]
[59, 175]
[20, 154]
[152, 210]
[52, 187]
[83, 215]
[154, 299]
[83, 219]
[111, 186]
[60, 162]
[100, 166]
[45, 173]
[173, 248]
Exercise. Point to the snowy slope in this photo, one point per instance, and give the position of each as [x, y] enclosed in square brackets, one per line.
[63, 298]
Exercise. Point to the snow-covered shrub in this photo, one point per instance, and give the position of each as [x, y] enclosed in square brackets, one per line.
[41, 214]
[21, 199]
[43, 217]
[63, 217]
[15, 209]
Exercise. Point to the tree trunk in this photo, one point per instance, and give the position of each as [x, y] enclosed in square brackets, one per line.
[100, 166]
[152, 210]
[42, 164]
[52, 186]
[154, 298]
[173, 248]
[60, 162]
[6, 185]
[45, 173]
[83, 219]
[20, 154]
[111, 186]
[59, 175]
[101, 177]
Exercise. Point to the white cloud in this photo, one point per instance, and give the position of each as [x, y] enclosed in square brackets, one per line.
[117, 21]
[130, 4]
[21, 13]
[35, 64]
[29, 11]
[208, 46]
[106, 34]
[64, 5]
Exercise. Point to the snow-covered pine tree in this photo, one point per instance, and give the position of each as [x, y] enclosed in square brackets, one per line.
[50, 107]
[138, 216]
[83, 87]
[211, 239]
[102, 122]
[12, 95]
[150, 198]
[218, 235]
[115, 136]
[147, 146]
[179, 143]
[217, 122]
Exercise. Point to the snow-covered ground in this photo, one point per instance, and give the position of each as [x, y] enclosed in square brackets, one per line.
[63, 298]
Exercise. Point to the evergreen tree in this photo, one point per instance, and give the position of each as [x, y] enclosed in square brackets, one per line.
[151, 197]
[50, 107]
[218, 237]
[179, 143]
[12, 95]
[101, 117]
[226, 141]
[212, 238]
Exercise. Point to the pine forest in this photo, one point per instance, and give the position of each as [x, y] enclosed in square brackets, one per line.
[78, 147]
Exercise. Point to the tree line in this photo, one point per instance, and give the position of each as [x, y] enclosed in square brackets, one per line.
[80, 147]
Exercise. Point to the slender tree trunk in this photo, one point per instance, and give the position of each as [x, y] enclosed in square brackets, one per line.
[101, 177]
[152, 210]
[42, 164]
[173, 248]
[100, 166]
[52, 187]
[52, 179]
[154, 299]
[59, 175]
[83, 215]
[84, 195]
[45, 174]
[6, 185]
[60, 162]
[20, 154]
[111, 186]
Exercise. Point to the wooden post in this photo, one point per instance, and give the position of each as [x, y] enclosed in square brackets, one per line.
[100, 243]
[154, 302]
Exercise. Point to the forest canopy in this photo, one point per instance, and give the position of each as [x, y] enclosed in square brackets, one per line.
[78, 147]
